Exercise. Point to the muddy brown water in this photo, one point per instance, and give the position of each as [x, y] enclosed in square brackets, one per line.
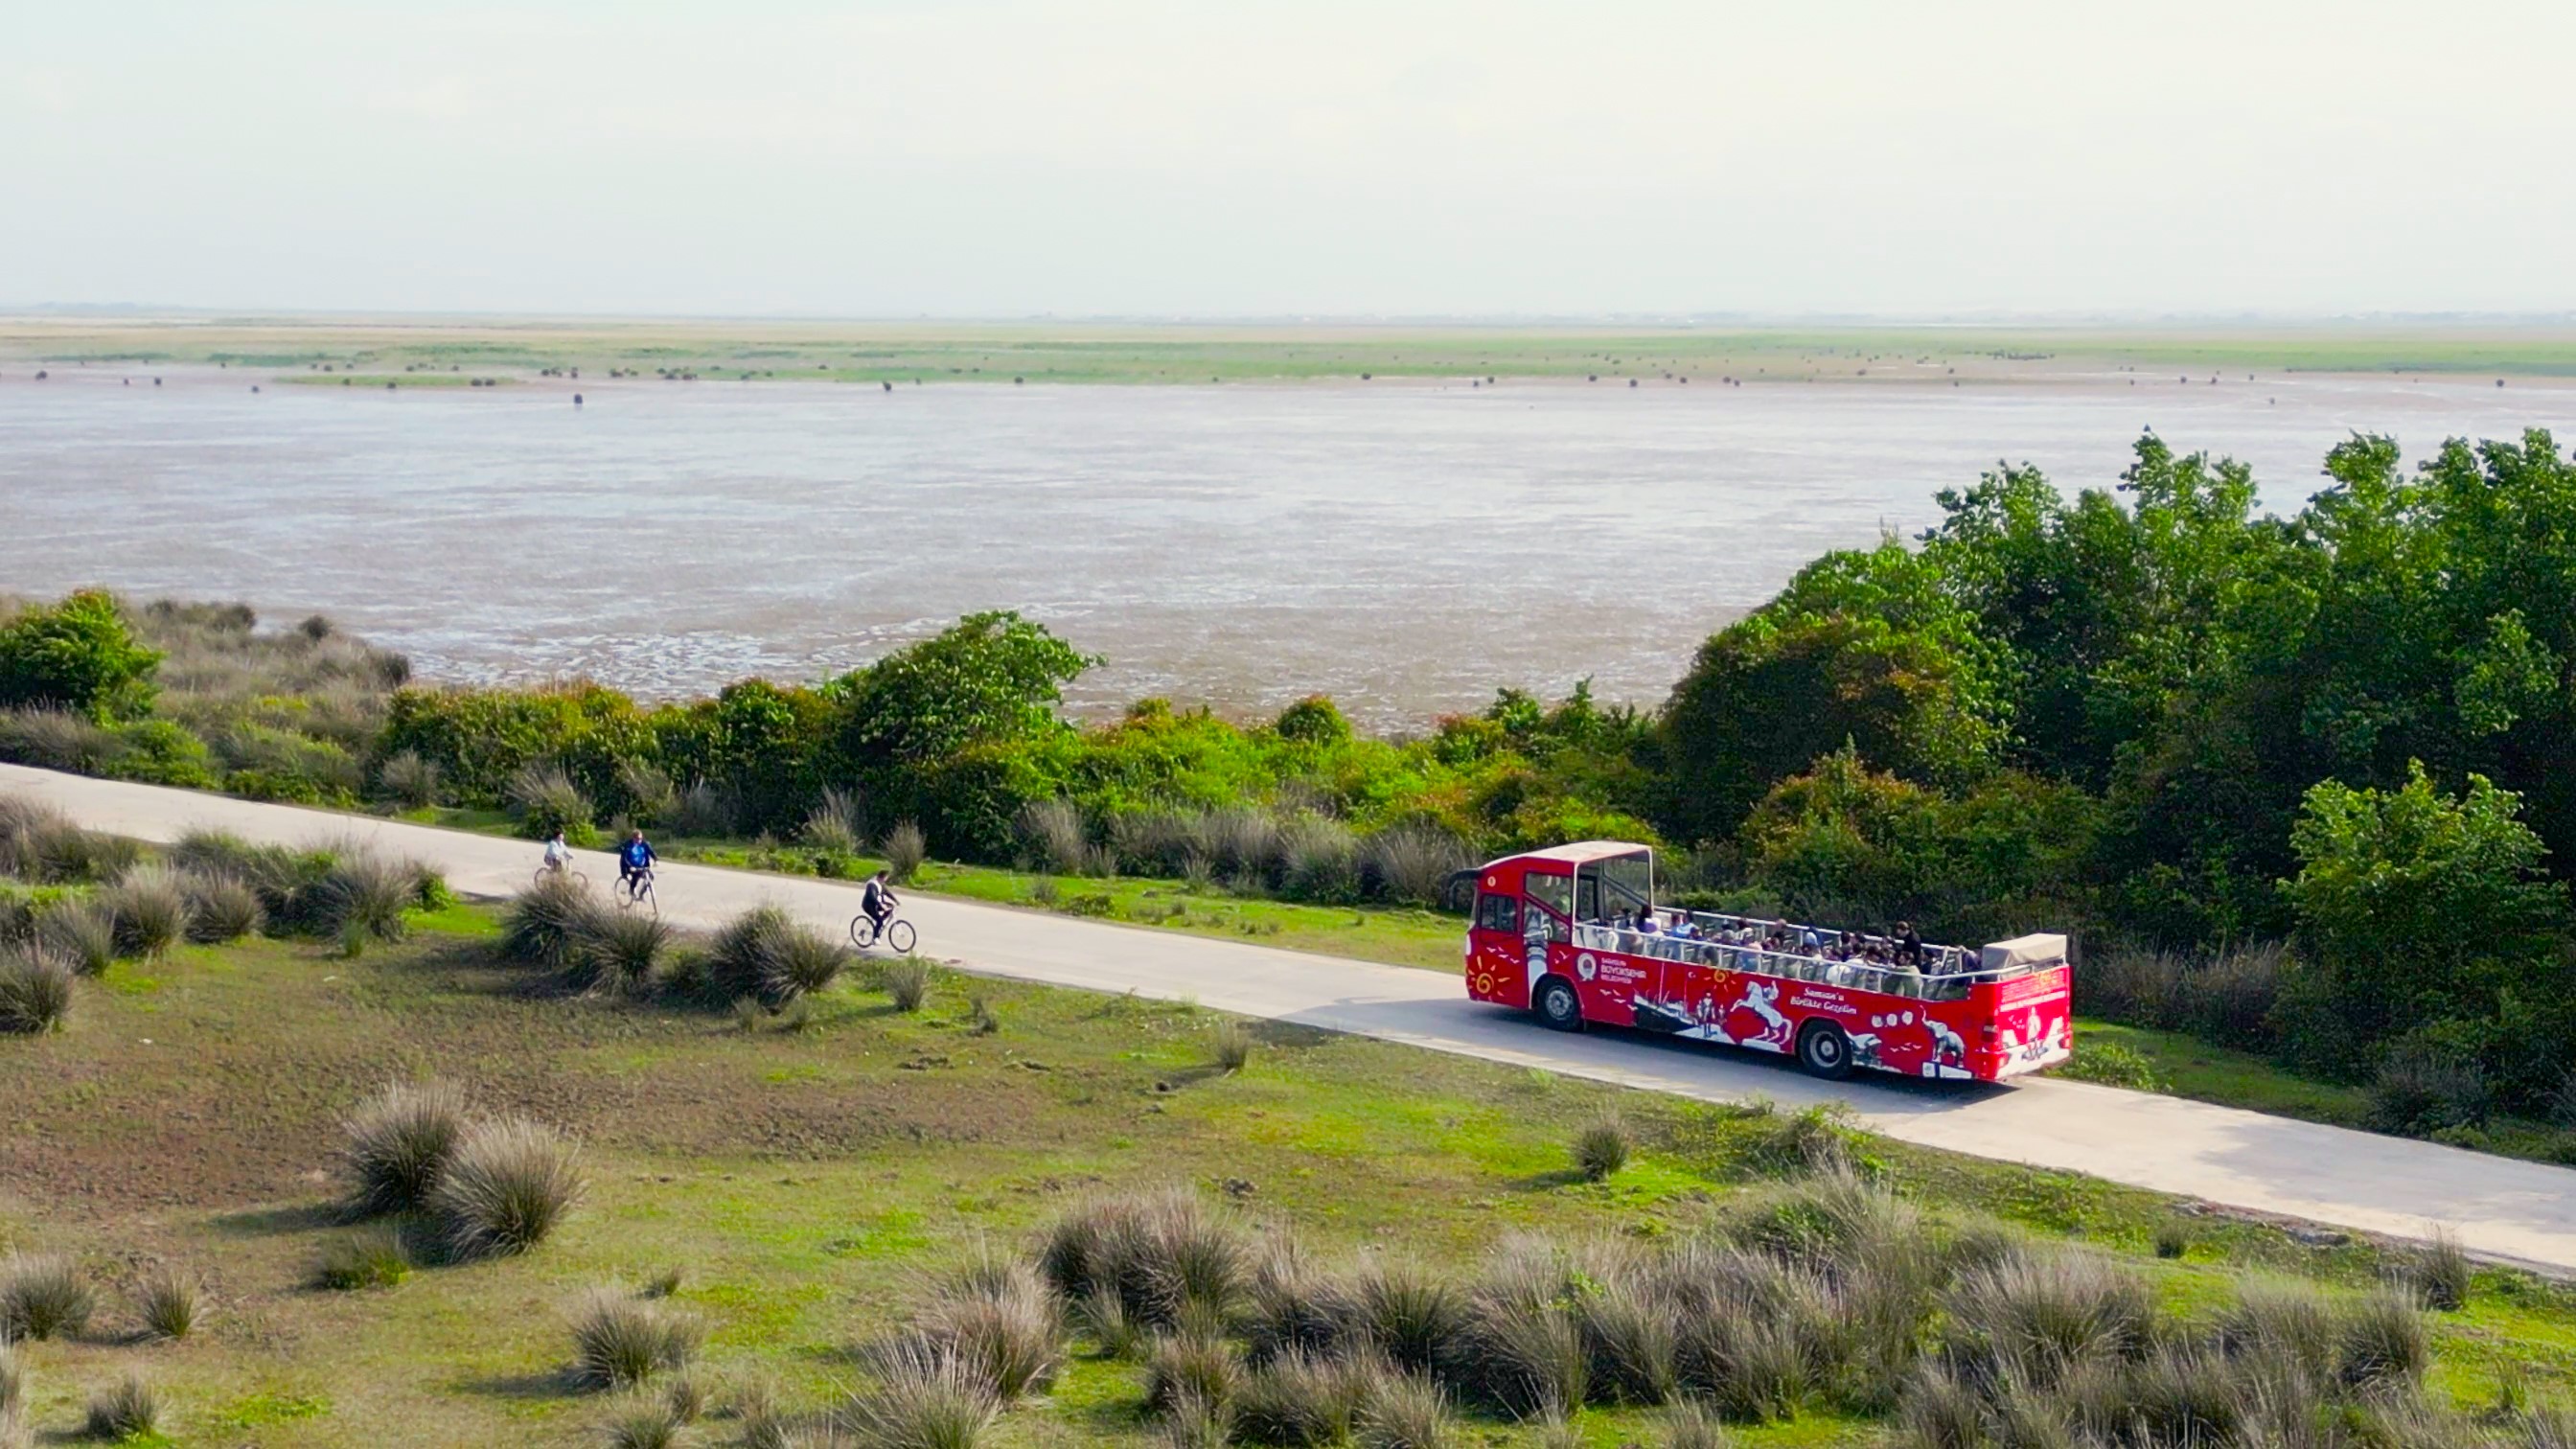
[1405, 547]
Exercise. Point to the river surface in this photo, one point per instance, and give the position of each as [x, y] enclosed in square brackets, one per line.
[1406, 547]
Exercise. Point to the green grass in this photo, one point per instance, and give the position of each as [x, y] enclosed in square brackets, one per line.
[2186, 1066]
[803, 1181]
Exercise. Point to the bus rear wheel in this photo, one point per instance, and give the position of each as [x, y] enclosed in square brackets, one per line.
[1556, 1005]
[1824, 1051]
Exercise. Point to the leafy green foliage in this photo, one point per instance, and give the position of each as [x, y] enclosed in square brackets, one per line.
[79, 656]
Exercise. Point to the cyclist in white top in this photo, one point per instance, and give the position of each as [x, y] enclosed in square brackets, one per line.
[558, 854]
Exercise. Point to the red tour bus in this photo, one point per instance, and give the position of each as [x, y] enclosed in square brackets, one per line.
[1557, 932]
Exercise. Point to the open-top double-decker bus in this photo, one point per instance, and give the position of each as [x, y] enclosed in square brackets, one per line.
[1573, 934]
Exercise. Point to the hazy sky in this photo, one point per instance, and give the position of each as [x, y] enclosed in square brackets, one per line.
[1226, 158]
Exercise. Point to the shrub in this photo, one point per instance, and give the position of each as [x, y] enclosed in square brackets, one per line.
[167, 1302]
[767, 954]
[35, 989]
[78, 655]
[1164, 1256]
[82, 934]
[1233, 1045]
[409, 779]
[905, 850]
[1411, 864]
[2420, 1090]
[41, 1295]
[921, 1404]
[127, 1409]
[2034, 1317]
[2172, 1240]
[651, 798]
[397, 1144]
[706, 808]
[2110, 1064]
[643, 1424]
[834, 825]
[57, 739]
[1191, 1369]
[1405, 1411]
[2382, 1339]
[507, 1185]
[545, 799]
[149, 906]
[1053, 832]
[619, 1340]
[1297, 1400]
[2439, 1273]
[1601, 1148]
[1318, 859]
[1408, 1313]
[364, 894]
[551, 923]
[907, 980]
[1291, 1304]
[626, 947]
[221, 907]
[999, 1325]
[370, 1258]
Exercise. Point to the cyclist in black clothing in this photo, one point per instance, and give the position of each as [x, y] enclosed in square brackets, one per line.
[877, 899]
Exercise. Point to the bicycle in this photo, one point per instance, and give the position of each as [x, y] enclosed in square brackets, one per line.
[898, 934]
[636, 893]
[580, 881]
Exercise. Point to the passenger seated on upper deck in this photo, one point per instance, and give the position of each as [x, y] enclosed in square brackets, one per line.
[1809, 941]
[1646, 923]
[1681, 929]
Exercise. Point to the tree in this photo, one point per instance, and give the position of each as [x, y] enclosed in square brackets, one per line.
[2428, 914]
[989, 678]
[1865, 649]
[77, 656]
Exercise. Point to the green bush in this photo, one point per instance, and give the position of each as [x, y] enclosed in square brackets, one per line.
[79, 655]
[2113, 1065]
[35, 989]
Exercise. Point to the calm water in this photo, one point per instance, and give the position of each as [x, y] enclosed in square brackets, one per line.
[1405, 547]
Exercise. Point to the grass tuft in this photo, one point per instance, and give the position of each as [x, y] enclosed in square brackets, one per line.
[919, 1403]
[168, 1302]
[1185, 1370]
[126, 1409]
[83, 934]
[1601, 1149]
[767, 954]
[643, 1423]
[998, 1323]
[2439, 1272]
[222, 907]
[620, 1340]
[550, 923]
[35, 989]
[907, 980]
[396, 1145]
[906, 848]
[150, 909]
[625, 949]
[42, 1295]
[1233, 1042]
[369, 1258]
[508, 1185]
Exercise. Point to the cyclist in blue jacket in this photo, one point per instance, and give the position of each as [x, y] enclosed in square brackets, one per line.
[635, 863]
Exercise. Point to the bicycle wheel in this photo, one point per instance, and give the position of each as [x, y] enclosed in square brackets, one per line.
[898, 934]
[863, 932]
[580, 881]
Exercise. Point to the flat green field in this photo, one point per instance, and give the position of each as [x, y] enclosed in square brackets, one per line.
[1110, 352]
[804, 1182]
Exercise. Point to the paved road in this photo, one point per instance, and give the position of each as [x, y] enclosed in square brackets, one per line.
[2498, 1207]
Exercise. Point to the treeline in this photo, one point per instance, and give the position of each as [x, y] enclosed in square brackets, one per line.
[2147, 713]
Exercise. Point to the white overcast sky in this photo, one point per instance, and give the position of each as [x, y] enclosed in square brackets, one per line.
[1218, 158]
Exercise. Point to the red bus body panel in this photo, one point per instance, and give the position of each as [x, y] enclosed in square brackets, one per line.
[1968, 1029]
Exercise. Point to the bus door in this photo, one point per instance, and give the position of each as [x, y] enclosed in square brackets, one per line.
[1497, 959]
[1547, 909]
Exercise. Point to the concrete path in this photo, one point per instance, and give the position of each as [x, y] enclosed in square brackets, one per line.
[2497, 1206]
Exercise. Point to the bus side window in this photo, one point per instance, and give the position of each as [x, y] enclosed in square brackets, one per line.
[1498, 913]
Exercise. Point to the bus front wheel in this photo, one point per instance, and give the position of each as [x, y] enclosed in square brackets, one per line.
[1556, 1004]
[1824, 1051]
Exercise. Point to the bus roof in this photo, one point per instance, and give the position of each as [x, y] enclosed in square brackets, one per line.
[1579, 852]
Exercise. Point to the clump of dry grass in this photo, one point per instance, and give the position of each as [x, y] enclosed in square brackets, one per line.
[620, 1340]
[921, 1403]
[150, 909]
[507, 1185]
[42, 1295]
[126, 1409]
[1601, 1149]
[369, 1258]
[35, 989]
[1164, 1256]
[395, 1146]
[168, 1301]
[767, 954]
